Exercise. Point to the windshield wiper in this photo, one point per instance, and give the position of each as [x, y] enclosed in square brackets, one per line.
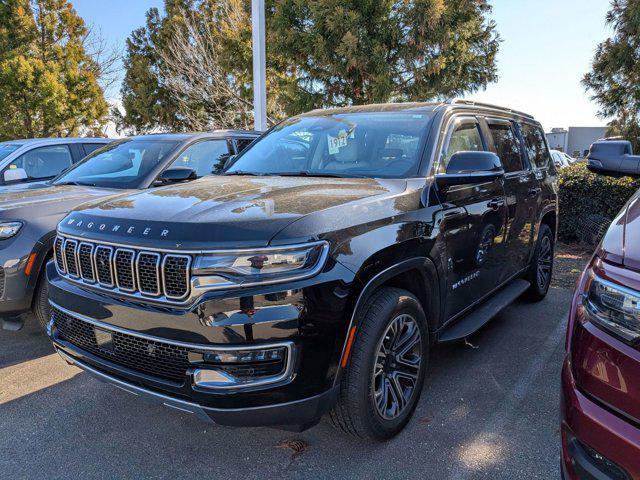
[306, 173]
[242, 172]
[77, 184]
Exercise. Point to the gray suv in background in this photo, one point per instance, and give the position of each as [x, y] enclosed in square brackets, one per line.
[29, 213]
[40, 159]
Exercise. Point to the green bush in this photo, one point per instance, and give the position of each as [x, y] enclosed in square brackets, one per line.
[588, 202]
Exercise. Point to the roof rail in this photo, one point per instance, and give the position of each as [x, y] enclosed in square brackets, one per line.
[459, 101]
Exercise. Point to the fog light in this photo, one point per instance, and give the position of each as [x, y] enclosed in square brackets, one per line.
[246, 356]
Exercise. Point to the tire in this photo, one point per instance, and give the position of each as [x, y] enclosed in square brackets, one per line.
[41, 308]
[371, 374]
[541, 268]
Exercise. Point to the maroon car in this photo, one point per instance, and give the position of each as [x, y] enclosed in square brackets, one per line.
[600, 406]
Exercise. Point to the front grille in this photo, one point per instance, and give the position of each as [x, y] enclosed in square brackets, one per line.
[85, 258]
[164, 276]
[2, 281]
[149, 273]
[70, 247]
[158, 359]
[125, 268]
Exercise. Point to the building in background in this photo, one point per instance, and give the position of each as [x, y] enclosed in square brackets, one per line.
[576, 140]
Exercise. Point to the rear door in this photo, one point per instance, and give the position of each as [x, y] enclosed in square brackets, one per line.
[522, 193]
[473, 224]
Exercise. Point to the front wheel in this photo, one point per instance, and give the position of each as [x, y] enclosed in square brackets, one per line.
[382, 383]
[541, 268]
[41, 307]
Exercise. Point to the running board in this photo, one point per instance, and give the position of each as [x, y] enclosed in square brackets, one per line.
[480, 316]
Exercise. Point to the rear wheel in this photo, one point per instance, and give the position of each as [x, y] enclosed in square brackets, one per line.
[381, 386]
[541, 268]
[41, 307]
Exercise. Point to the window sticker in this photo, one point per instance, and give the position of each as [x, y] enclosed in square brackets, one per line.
[336, 143]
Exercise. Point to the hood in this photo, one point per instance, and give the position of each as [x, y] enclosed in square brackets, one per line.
[621, 244]
[43, 198]
[221, 212]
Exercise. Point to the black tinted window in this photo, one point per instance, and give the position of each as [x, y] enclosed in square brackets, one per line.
[465, 138]
[92, 147]
[507, 146]
[242, 143]
[535, 145]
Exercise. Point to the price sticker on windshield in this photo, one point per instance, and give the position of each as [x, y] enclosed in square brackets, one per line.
[336, 143]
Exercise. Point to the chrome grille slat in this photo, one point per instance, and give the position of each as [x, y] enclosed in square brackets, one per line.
[103, 263]
[85, 262]
[124, 263]
[71, 261]
[148, 273]
[154, 275]
[59, 255]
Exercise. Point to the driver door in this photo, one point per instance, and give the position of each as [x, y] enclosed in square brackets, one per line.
[473, 224]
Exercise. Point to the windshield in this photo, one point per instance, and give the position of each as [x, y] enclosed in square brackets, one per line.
[8, 148]
[122, 164]
[372, 145]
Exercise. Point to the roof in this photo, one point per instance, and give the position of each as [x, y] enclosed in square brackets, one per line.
[48, 141]
[416, 107]
[181, 137]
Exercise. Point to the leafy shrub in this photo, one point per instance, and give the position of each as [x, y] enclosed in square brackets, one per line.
[588, 202]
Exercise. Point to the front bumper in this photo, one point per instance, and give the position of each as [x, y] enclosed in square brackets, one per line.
[300, 413]
[312, 317]
[596, 443]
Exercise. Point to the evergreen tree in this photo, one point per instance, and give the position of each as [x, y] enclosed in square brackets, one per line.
[48, 82]
[345, 52]
[616, 69]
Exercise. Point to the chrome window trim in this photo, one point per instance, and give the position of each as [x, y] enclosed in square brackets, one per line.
[190, 289]
[286, 375]
[93, 270]
[132, 266]
[158, 276]
[110, 260]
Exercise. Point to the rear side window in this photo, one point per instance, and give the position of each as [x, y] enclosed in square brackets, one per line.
[92, 147]
[535, 145]
[465, 138]
[507, 146]
[242, 143]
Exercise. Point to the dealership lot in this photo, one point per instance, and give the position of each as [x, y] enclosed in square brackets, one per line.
[489, 410]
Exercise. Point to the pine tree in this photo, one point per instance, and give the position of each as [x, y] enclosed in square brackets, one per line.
[345, 52]
[616, 69]
[48, 82]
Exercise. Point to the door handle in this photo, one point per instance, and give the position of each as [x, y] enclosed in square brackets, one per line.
[533, 191]
[495, 204]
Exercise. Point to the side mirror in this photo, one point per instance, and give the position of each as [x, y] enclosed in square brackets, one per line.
[178, 174]
[13, 175]
[466, 168]
[614, 158]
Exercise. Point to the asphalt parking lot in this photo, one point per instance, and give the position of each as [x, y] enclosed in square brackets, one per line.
[489, 410]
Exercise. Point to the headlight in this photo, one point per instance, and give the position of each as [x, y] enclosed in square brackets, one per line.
[250, 267]
[9, 229]
[613, 307]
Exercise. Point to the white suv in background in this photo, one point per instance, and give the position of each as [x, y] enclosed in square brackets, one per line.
[561, 159]
[39, 159]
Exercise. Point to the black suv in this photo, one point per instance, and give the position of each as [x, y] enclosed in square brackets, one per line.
[315, 274]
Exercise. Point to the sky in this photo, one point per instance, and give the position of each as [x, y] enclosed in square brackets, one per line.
[547, 47]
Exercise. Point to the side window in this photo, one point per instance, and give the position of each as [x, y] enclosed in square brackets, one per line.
[535, 145]
[204, 157]
[43, 162]
[507, 146]
[242, 143]
[465, 137]
[89, 148]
